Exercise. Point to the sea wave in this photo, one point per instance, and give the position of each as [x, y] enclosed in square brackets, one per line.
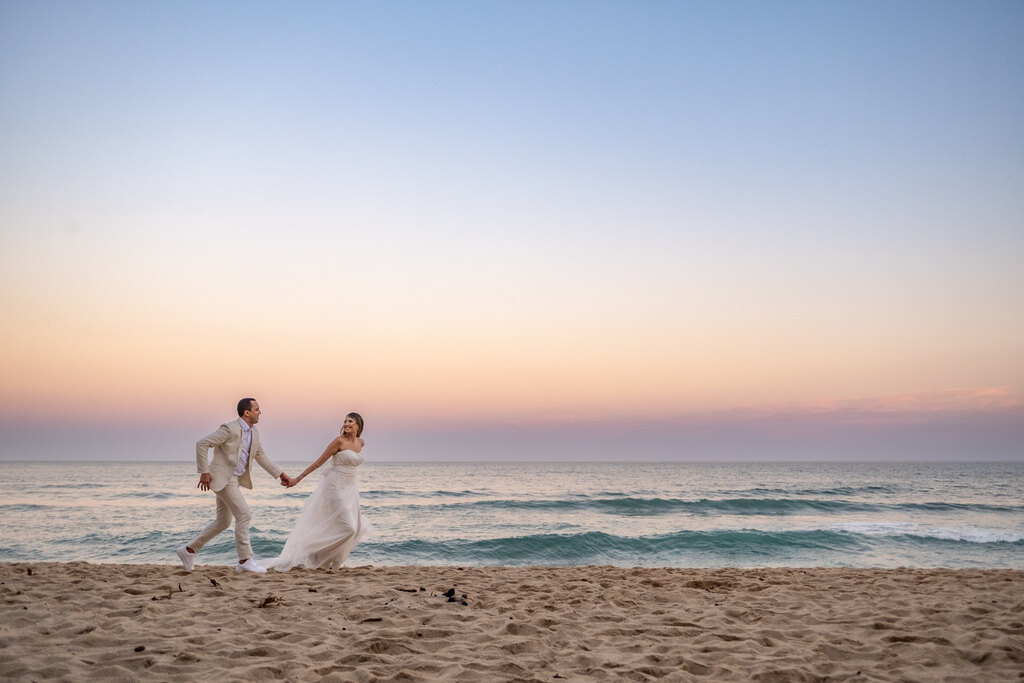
[632, 506]
[439, 493]
[826, 491]
[846, 544]
[740, 547]
[76, 486]
[599, 547]
[24, 507]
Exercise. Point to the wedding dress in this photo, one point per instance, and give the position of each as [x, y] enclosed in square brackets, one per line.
[330, 523]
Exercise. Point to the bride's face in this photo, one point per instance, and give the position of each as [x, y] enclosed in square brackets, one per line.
[350, 427]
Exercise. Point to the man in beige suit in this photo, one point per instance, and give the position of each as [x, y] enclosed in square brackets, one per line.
[235, 445]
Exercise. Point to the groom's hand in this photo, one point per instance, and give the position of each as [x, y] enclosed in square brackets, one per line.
[204, 482]
[286, 480]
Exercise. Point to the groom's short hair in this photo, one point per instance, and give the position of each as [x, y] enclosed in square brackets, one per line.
[244, 405]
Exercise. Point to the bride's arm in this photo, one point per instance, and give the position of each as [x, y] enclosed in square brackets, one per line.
[331, 449]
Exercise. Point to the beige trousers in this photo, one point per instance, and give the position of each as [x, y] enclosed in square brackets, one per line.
[230, 505]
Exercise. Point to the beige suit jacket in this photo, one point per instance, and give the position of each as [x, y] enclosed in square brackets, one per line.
[226, 443]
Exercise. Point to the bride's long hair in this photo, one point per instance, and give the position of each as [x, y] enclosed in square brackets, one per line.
[359, 422]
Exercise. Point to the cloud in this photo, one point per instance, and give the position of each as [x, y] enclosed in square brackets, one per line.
[947, 401]
[908, 407]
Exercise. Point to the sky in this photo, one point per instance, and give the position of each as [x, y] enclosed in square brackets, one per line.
[514, 230]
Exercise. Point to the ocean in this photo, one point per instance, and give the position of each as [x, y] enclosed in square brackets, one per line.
[956, 515]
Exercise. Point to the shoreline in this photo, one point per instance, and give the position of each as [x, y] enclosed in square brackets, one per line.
[118, 621]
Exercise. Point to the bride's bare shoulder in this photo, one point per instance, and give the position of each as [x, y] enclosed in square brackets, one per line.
[347, 443]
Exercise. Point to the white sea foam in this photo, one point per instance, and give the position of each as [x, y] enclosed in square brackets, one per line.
[968, 533]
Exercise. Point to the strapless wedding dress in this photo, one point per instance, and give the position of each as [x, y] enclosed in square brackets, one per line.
[330, 523]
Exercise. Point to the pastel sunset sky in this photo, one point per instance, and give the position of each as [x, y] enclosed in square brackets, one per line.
[543, 230]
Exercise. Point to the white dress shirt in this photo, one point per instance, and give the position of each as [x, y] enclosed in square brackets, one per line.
[243, 455]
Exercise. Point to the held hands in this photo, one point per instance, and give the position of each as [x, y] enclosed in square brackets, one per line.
[294, 480]
[287, 481]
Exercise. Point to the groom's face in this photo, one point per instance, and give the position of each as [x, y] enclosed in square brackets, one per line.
[252, 415]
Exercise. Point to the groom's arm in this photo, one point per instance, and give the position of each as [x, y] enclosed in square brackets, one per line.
[203, 447]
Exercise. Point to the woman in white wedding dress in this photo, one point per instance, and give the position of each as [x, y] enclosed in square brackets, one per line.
[330, 523]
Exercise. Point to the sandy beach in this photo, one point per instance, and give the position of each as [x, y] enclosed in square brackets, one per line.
[105, 621]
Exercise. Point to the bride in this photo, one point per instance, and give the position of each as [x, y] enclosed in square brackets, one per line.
[330, 523]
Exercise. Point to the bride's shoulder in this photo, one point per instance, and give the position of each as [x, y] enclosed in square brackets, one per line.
[344, 443]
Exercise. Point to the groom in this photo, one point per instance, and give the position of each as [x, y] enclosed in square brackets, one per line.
[235, 445]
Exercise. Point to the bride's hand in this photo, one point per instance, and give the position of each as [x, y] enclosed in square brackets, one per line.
[294, 481]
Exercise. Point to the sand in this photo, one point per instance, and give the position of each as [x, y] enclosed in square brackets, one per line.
[151, 622]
